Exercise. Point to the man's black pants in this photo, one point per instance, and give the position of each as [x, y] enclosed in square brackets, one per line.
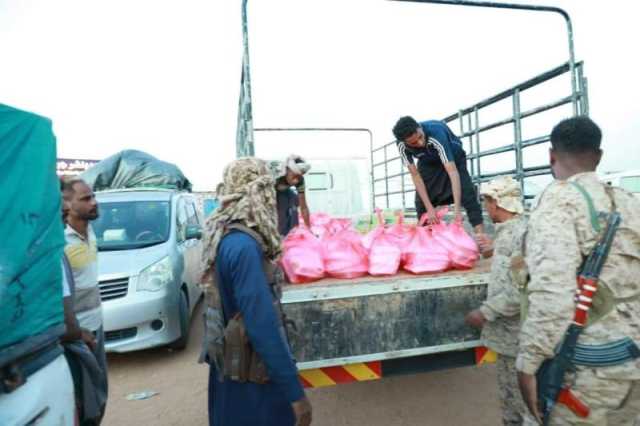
[440, 193]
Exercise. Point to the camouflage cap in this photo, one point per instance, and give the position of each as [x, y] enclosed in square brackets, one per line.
[506, 191]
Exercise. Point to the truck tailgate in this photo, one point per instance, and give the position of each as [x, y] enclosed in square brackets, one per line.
[375, 318]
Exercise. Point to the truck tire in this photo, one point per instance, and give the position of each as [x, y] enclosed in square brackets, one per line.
[182, 341]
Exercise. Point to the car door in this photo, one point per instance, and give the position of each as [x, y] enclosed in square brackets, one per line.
[193, 253]
[182, 219]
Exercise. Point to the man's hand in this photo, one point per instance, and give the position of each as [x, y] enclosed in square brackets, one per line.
[529, 391]
[457, 218]
[475, 319]
[88, 338]
[302, 411]
[485, 244]
[432, 216]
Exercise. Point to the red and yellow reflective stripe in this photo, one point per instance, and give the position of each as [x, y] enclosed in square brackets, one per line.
[329, 376]
[485, 355]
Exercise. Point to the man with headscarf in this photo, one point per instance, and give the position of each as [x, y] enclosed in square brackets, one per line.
[241, 245]
[288, 174]
[499, 315]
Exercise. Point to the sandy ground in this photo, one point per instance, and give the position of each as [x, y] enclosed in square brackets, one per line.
[466, 396]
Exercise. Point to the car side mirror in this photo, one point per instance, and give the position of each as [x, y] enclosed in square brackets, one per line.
[193, 232]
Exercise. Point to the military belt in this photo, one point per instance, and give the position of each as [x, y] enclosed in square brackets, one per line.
[606, 355]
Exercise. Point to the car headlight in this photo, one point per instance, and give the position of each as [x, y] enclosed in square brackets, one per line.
[156, 276]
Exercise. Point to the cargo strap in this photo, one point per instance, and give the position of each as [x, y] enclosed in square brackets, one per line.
[606, 355]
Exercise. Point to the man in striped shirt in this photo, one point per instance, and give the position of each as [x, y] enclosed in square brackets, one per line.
[82, 253]
[441, 176]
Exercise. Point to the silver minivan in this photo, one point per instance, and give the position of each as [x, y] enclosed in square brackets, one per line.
[149, 253]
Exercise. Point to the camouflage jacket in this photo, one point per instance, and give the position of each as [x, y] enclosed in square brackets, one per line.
[560, 235]
[502, 307]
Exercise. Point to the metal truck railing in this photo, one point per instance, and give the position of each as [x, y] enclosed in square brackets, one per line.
[386, 183]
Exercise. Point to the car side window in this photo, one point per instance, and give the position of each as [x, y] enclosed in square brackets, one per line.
[181, 220]
[191, 213]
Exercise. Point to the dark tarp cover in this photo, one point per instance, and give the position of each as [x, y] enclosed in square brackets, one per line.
[30, 228]
[134, 169]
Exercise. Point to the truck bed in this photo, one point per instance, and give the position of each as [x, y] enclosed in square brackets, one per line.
[376, 318]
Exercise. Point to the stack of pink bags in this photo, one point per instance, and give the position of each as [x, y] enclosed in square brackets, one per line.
[333, 248]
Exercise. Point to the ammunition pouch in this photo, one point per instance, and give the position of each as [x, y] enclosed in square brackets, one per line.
[241, 363]
[213, 339]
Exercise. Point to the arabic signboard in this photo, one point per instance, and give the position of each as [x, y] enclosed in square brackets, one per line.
[73, 166]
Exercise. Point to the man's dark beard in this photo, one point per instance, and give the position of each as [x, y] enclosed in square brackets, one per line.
[91, 216]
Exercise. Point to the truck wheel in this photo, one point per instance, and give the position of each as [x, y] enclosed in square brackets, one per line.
[182, 341]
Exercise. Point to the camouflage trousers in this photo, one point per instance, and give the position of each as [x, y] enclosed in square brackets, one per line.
[612, 402]
[513, 407]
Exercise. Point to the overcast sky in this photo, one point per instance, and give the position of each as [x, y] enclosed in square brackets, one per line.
[163, 76]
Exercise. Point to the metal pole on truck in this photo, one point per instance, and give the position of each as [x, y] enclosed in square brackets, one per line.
[244, 130]
[565, 15]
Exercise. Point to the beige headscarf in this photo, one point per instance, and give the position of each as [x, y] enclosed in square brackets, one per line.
[297, 164]
[506, 191]
[248, 197]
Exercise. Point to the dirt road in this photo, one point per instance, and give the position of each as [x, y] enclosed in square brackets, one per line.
[465, 396]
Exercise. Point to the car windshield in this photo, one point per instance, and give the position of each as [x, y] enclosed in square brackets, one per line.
[128, 225]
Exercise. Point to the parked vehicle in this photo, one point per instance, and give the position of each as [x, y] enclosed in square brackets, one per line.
[369, 328]
[629, 180]
[149, 253]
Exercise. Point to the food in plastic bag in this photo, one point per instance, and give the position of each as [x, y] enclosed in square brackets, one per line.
[344, 255]
[367, 240]
[384, 251]
[423, 254]
[319, 222]
[302, 260]
[322, 224]
[384, 256]
[401, 232]
[336, 225]
[463, 250]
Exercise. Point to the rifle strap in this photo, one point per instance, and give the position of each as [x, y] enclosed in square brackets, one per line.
[603, 300]
[595, 223]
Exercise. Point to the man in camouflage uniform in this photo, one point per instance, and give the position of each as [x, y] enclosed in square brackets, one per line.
[499, 315]
[562, 231]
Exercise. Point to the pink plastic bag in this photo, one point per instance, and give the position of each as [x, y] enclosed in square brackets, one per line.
[302, 260]
[319, 219]
[463, 250]
[384, 251]
[401, 233]
[367, 240]
[336, 225]
[424, 255]
[384, 256]
[319, 223]
[344, 255]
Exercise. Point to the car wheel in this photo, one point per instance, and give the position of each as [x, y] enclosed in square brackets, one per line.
[182, 341]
